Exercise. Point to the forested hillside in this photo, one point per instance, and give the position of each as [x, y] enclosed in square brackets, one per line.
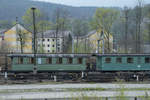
[9, 9]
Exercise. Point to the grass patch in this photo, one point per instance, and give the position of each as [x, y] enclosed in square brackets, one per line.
[72, 90]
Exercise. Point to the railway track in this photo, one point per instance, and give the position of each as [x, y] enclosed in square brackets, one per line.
[43, 77]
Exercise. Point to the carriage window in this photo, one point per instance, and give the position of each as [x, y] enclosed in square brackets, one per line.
[70, 60]
[31, 60]
[79, 60]
[49, 60]
[59, 61]
[39, 61]
[129, 60]
[107, 60]
[147, 60]
[119, 60]
[20, 60]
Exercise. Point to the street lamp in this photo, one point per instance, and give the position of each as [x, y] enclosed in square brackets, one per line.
[34, 40]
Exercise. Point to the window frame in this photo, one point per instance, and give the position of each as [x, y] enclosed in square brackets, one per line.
[31, 60]
[147, 61]
[108, 61]
[80, 60]
[70, 60]
[20, 60]
[49, 60]
[130, 60]
[119, 60]
[59, 60]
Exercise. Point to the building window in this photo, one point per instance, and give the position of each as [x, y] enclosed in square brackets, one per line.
[47, 39]
[129, 60]
[20, 60]
[53, 40]
[49, 60]
[31, 60]
[43, 39]
[70, 60]
[48, 51]
[119, 60]
[79, 60]
[147, 60]
[53, 45]
[59, 61]
[48, 45]
[107, 60]
[53, 51]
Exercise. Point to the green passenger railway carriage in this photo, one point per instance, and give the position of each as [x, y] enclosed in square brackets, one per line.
[48, 62]
[87, 66]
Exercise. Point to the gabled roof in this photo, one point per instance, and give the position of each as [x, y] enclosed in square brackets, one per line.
[52, 33]
[89, 34]
[19, 25]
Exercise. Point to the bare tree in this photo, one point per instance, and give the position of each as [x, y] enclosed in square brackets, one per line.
[22, 38]
[138, 25]
[61, 24]
[126, 11]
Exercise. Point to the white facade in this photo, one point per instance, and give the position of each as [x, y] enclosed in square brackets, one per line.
[49, 45]
[47, 41]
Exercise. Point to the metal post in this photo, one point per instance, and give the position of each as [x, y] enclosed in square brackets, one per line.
[55, 78]
[82, 74]
[126, 29]
[34, 32]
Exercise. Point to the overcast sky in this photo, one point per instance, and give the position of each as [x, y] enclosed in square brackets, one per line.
[97, 3]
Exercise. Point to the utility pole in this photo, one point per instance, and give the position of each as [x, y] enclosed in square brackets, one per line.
[126, 29]
[34, 33]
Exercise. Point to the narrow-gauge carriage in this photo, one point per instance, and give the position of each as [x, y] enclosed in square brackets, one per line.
[48, 62]
[90, 66]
